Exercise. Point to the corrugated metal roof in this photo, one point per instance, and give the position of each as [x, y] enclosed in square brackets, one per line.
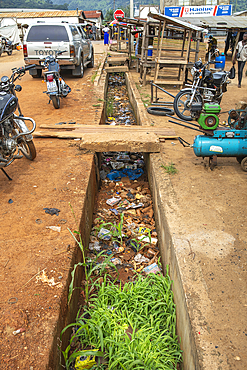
[223, 22]
[175, 22]
[50, 14]
[137, 22]
[93, 13]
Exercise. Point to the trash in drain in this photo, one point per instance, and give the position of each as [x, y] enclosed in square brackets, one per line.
[126, 297]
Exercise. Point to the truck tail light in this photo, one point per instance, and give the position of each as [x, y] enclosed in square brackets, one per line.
[50, 78]
[25, 51]
[72, 50]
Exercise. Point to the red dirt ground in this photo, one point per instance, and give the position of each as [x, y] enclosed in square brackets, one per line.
[57, 176]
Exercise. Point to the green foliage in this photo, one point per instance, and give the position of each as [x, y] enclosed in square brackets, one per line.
[109, 15]
[115, 230]
[134, 325]
[238, 5]
[109, 106]
[171, 169]
[103, 5]
[33, 4]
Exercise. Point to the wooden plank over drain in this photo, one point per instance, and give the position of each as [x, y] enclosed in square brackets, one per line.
[117, 69]
[77, 129]
[113, 140]
[103, 138]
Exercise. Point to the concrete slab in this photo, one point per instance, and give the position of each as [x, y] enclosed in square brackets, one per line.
[117, 69]
[139, 142]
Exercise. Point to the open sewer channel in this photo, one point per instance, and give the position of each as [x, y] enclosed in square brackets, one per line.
[127, 318]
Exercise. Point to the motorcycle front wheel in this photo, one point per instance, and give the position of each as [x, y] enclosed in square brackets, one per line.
[56, 101]
[181, 102]
[27, 148]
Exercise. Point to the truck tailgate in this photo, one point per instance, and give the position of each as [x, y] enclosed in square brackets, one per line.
[39, 50]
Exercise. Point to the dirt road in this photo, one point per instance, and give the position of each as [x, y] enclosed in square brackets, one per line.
[58, 176]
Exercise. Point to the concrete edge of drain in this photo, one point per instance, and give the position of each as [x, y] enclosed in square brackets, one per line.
[196, 352]
[194, 311]
[67, 313]
[100, 71]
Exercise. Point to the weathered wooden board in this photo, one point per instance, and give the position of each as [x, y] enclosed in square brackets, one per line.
[114, 140]
[117, 69]
[103, 138]
[78, 129]
[117, 61]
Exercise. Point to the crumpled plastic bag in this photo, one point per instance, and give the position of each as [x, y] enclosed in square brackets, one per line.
[132, 174]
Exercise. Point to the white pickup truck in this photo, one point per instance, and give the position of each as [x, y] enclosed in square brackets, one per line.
[44, 39]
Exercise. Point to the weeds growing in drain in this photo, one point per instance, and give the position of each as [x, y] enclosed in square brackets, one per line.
[115, 230]
[89, 266]
[136, 243]
[109, 106]
[131, 327]
[171, 169]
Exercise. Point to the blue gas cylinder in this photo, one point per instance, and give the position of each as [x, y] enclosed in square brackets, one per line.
[207, 146]
[150, 50]
[222, 59]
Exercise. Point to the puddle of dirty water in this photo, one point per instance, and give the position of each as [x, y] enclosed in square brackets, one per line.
[125, 296]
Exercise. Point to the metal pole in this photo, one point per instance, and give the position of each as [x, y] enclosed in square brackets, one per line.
[162, 4]
[131, 39]
[132, 9]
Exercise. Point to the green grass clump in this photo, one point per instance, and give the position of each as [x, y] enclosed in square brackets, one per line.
[134, 325]
[171, 169]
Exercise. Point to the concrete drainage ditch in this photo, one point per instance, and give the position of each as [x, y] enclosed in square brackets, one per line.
[133, 249]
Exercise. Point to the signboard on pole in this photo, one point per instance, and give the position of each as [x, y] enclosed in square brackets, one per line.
[198, 11]
[118, 14]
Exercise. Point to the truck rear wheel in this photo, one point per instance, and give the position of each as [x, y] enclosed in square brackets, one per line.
[79, 70]
[91, 64]
[37, 74]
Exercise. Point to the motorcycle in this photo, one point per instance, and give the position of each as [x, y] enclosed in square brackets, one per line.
[5, 46]
[15, 137]
[56, 86]
[207, 87]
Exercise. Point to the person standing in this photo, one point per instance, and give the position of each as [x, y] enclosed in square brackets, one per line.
[94, 29]
[241, 57]
[106, 35]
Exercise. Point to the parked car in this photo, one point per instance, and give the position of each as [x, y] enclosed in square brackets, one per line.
[43, 39]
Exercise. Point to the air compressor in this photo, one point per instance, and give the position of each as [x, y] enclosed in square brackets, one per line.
[225, 141]
[218, 141]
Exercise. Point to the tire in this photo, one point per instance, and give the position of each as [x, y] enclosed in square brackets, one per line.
[186, 94]
[38, 75]
[79, 70]
[28, 149]
[91, 64]
[56, 101]
[160, 111]
[244, 164]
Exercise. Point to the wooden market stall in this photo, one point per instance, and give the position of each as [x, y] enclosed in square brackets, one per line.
[173, 48]
[230, 24]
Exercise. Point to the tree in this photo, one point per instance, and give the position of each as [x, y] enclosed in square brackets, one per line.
[109, 15]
